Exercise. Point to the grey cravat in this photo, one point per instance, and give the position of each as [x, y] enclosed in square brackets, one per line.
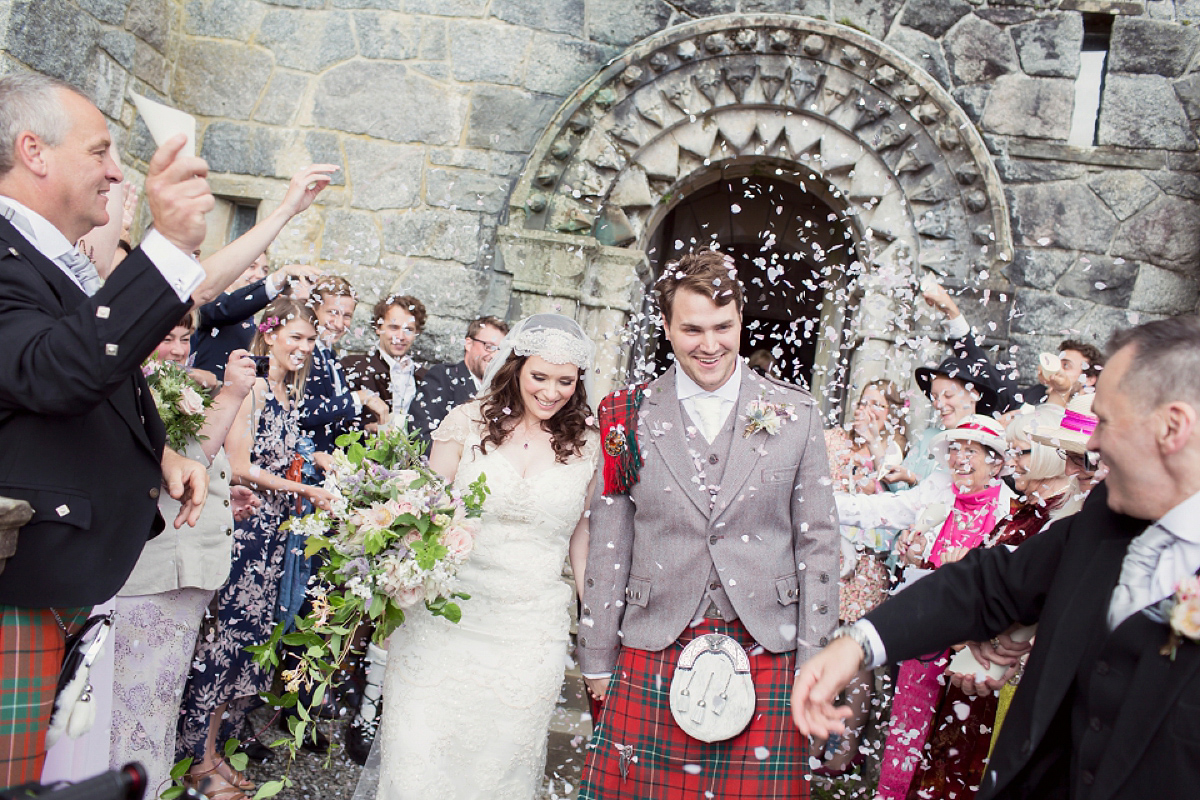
[83, 269]
[708, 409]
[1137, 571]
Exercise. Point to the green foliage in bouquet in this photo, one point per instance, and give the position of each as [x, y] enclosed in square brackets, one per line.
[394, 538]
[180, 400]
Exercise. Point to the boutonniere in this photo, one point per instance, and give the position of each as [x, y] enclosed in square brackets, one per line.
[1184, 615]
[763, 415]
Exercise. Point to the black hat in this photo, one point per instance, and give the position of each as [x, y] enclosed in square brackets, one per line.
[976, 373]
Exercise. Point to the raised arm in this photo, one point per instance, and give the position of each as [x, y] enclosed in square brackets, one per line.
[239, 381]
[224, 266]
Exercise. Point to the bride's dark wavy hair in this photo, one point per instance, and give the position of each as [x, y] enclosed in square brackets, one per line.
[502, 406]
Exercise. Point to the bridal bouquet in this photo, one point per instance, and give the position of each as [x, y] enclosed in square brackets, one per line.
[180, 400]
[394, 538]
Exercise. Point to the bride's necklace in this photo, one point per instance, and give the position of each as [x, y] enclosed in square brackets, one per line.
[524, 435]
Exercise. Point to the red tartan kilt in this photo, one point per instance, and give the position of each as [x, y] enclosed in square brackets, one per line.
[767, 760]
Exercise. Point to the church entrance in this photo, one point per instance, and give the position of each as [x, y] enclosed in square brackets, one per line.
[792, 251]
[836, 170]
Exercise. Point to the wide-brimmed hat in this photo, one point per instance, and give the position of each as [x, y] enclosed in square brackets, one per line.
[975, 428]
[975, 373]
[1073, 430]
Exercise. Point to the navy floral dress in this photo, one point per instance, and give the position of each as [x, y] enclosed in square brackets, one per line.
[248, 604]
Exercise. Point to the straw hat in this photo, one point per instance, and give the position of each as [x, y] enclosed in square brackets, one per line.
[1075, 428]
[975, 428]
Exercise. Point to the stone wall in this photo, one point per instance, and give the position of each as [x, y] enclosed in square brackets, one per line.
[433, 106]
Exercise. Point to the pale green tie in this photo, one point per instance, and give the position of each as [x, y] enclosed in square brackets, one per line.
[708, 409]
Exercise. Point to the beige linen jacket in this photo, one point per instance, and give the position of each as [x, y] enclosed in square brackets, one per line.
[189, 558]
[772, 534]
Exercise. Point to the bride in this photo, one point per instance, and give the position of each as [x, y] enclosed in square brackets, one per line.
[467, 706]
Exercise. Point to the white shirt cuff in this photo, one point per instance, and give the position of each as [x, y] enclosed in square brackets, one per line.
[878, 653]
[957, 328]
[178, 268]
[595, 676]
[273, 290]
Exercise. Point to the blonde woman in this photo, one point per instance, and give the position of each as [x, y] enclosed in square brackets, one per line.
[261, 445]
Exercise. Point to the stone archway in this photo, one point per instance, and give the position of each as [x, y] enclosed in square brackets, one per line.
[890, 144]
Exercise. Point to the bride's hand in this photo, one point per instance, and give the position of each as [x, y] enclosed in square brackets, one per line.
[597, 687]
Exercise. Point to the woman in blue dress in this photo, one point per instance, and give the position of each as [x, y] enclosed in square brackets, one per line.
[224, 683]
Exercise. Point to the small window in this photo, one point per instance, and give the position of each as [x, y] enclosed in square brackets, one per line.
[245, 217]
[229, 219]
[1089, 86]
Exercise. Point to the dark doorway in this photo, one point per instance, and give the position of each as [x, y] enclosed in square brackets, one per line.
[790, 247]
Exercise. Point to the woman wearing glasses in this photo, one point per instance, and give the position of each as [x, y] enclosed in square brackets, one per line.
[963, 721]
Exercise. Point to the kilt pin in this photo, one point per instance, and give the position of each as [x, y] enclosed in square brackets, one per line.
[734, 536]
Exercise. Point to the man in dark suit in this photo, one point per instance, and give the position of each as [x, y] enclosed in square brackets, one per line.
[448, 385]
[330, 407]
[1109, 705]
[79, 435]
[80, 438]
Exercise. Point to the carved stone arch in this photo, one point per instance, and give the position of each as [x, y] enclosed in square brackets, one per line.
[905, 163]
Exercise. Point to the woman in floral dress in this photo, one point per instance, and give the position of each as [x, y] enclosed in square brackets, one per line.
[224, 683]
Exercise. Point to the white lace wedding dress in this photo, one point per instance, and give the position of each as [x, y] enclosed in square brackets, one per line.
[467, 706]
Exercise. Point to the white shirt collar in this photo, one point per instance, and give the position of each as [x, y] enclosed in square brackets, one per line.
[686, 388]
[404, 363]
[48, 239]
[1181, 520]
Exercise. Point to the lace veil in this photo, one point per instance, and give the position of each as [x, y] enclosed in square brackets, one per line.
[557, 339]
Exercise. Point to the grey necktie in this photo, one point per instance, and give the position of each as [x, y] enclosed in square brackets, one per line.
[83, 269]
[80, 265]
[1137, 571]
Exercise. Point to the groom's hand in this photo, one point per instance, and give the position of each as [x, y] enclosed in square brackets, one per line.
[597, 687]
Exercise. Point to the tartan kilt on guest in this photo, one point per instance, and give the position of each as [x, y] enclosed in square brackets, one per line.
[638, 752]
[31, 656]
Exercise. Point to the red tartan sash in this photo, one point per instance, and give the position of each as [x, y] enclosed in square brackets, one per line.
[618, 429]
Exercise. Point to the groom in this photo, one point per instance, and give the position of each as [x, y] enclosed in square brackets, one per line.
[707, 522]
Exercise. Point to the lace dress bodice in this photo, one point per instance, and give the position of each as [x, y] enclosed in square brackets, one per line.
[516, 566]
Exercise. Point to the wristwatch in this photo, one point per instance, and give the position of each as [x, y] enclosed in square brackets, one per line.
[860, 637]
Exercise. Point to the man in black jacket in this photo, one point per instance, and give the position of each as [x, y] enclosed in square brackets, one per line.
[1109, 705]
[80, 438]
[448, 385]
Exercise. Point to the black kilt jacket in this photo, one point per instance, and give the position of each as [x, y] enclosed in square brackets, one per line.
[80, 438]
[1098, 714]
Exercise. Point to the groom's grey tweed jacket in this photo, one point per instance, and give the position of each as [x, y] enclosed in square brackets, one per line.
[771, 534]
